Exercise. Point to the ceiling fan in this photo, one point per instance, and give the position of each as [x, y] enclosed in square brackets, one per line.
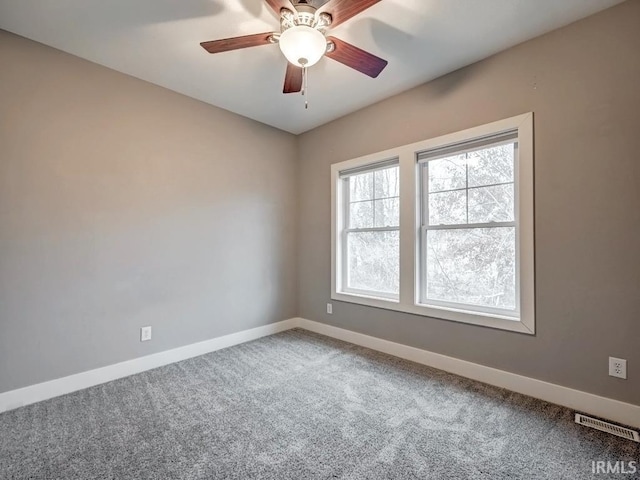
[303, 40]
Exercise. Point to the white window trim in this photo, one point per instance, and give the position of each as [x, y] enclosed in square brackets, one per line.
[408, 301]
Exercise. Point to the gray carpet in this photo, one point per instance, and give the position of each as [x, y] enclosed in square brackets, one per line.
[300, 406]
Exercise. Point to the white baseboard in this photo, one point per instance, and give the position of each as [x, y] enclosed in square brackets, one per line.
[624, 413]
[61, 386]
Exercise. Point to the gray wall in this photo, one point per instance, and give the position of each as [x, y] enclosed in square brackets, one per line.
[123, 204]
[582, 83]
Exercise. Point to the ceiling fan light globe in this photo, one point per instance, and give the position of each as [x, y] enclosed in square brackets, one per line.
[303, 46]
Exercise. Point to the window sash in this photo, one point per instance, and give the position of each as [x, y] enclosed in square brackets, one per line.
[424, 192]
[345, 177]
[424, 300]
[345, 264]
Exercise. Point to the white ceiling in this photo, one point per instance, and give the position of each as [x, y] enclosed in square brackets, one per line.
[158, 41]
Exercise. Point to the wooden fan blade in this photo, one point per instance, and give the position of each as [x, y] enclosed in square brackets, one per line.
[235, 43]
[356, 58]
[277, 5]
[343, 10]
[292, 79]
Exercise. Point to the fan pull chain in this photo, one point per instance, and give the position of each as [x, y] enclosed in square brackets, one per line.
[304, 87]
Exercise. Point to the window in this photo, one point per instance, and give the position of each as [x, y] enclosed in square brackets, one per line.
[444, 229]
[371, 230]
[468, 231]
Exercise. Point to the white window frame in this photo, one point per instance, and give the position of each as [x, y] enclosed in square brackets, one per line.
[411, 224]
[501, 138]
[345, 220]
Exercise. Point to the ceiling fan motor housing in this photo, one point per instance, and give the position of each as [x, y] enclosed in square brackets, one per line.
[304, 15]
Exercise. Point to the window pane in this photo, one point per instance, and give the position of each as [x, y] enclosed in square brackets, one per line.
[491, 165]
[361, 187]
[387, 212]
[447, 173]
[491, 204]
[472, 266]
[373, 261]
[361, 215]
[387, 183]
[448, 208]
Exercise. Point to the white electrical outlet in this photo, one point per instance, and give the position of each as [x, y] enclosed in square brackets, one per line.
[618, 367]
[145, 334]
[330, 308]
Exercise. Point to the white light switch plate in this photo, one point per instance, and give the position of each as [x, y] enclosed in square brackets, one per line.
[145, 334]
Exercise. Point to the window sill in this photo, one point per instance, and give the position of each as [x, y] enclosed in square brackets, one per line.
[441, 313]
[368, 296]
[461, 311]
